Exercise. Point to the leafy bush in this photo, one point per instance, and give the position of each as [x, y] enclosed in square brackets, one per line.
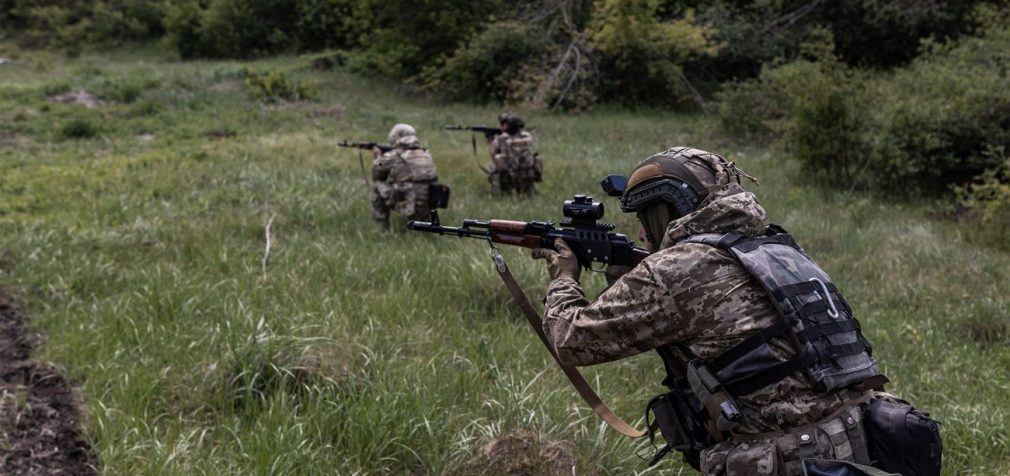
[918, 129]
[484, 69]
[272, 86]
[78, 128]
[987, 200]
[641, 55]
[71, 25]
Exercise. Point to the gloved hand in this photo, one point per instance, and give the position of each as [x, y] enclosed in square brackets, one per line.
[561, 263]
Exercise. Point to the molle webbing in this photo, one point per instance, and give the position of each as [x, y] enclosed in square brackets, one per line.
[813, 316]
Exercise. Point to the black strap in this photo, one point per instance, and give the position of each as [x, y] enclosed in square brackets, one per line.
[832, 328]
[771, 375]
[806, 287]
[747, 345]
[841, 350]
[673, 370]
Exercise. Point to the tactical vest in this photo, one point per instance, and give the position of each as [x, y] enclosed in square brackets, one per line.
[414, 165]
[813, 315]
[519, 154]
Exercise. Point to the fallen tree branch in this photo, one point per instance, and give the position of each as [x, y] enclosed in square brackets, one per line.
[266, 251]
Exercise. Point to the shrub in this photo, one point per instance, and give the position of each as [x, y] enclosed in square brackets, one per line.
[272, 86]
[987, 201]
[483, 69]
[641, 56]
[919, 129]
[78, 128]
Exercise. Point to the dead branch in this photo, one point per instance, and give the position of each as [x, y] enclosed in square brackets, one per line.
[266, 251]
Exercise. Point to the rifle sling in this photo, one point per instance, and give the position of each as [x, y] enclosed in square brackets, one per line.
[573, 374]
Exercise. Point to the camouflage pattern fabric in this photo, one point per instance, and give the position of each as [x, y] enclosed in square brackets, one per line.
[514, 164]
[697, 295]
[400, 180]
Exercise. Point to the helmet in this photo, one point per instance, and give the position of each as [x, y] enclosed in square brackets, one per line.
[512, 120]
[681, 177]
[400, 131]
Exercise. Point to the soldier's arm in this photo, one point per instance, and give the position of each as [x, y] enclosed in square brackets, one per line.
[635, 314]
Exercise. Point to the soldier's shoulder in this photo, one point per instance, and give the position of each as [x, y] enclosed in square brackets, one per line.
[687, 258]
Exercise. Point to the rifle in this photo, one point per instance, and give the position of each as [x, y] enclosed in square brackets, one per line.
[592, 242]
[366, 146]
[488, 131]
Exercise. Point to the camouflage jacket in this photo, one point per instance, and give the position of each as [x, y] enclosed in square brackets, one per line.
[693, 294]
[406, 162]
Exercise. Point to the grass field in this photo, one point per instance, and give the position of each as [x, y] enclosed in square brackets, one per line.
[134, 235]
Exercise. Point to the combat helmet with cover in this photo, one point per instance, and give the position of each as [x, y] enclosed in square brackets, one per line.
[672, 184]
[403, 135]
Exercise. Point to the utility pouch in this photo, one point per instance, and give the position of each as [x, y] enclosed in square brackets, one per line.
[681, 432]
[902, 439]
[438, 195]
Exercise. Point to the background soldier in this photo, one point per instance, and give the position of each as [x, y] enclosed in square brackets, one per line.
[514, 164]
[709, 314]
[401, 177]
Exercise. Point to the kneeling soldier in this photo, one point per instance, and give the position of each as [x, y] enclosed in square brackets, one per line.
[401, 177]
[766, 367]
[515, 166]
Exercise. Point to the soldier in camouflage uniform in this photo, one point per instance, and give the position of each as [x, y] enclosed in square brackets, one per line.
[514, 164]
[401, 177]
[700, 296]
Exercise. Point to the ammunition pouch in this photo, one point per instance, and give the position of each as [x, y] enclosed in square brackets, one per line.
[681, 431]
[902, 439]
[438, 195]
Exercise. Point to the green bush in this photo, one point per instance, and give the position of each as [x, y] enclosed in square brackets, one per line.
[74, 24]
[78, 128]
[272, 86]
[484, 69]
[987, 201]
[641, 55]
[919, 129]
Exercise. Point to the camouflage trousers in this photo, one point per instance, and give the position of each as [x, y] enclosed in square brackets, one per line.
[837, 440]
[408, 199]
[506, 182]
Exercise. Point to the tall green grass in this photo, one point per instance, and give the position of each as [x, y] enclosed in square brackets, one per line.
[138, 252]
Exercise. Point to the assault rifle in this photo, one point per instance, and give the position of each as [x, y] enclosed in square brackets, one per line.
[366, 146]
[488, 131]
[591, 241]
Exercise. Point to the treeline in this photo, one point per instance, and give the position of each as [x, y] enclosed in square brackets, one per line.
[893, 96]
[554, 53]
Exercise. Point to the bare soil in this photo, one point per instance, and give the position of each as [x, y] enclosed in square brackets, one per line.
[40, 425]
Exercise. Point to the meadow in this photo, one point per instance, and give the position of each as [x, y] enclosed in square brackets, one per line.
[134, 234]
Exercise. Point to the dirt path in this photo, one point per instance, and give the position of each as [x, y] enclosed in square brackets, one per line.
[40, 427]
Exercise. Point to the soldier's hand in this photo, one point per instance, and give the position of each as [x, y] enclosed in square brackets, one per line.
[561, 263]
[376, 152]
[615, 271]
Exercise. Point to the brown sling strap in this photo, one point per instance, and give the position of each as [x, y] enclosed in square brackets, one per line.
[571, 372]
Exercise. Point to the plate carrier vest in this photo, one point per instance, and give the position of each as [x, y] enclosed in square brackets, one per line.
[813, 315]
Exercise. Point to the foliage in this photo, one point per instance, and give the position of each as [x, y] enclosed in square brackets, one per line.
[880, 34]
[484, 68]
[987, 200]
[271, 86]
[641, 56]
[78, 128]
[918, 129]
[71, 25]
